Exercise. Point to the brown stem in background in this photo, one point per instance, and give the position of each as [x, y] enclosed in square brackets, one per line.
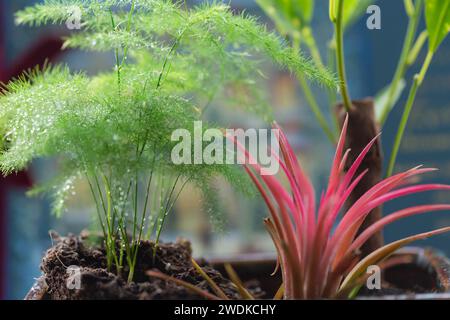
[362, 128]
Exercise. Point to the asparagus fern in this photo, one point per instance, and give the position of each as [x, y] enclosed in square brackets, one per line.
[114, 129]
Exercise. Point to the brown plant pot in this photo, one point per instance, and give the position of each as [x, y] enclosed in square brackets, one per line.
[362, 128]
[426, 276]
[423, 274]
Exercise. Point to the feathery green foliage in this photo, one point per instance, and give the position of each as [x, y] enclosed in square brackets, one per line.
[114, 129]
[120, 143]
[162, 26]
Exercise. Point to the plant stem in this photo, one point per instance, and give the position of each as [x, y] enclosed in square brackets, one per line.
[409, 7]
[109, 256]
[418, 79]
[125, 51]
[340, 56]
[310, 42]
[111, 238]
[97, 207]
[116, 53]
[135, 205]
[131, 273]
[307, 38]
[312, 102]
[403, 61]
[425, 67]
[332, 94]
[417, 47]
[109, 249]
[130, 18]
[169, 54]
[166, 211]
[309, 96]
[331, 64]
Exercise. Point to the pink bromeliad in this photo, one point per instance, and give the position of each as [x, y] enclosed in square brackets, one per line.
[319, 260]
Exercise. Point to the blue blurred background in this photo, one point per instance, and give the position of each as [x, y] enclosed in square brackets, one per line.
[371, 60]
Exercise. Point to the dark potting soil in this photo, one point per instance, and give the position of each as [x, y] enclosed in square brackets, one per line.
[173, 259]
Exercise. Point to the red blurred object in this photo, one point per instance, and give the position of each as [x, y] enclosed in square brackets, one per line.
[44, 49]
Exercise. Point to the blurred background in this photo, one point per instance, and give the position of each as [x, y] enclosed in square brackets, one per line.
[371, 57]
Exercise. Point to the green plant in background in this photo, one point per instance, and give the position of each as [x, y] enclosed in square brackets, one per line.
[293, 20]
[341, 14]
[114, 129]
[437, 17]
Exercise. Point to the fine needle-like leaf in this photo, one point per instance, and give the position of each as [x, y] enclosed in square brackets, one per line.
[237, 281]
[182, 283]
[210, 281]
[279, 294]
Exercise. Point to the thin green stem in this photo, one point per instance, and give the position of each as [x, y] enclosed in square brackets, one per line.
[310, 98]
[169, 54]
[99, 190]
[116, 53]
[135, 247]
[108, 202]
[166, 210]
[154, 201]
[340, 56]
[417, 47]
[402, 126]
[120, 222]
[159, 82]
[109, 248]
[409, 7]
[111, 238]
[97, 207]
[109, 256]
[425, 67]
[331, 64]
[172, 202]
[114, 211]
[135, 205]
[403, 61]
[310, 41]
[119, 64]
[306, 36]
[418, 79]
[141, 227]
[130, 18]
[332, 96]
[125, 242]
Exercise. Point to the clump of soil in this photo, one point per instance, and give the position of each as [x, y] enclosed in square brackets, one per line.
[173, 259]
